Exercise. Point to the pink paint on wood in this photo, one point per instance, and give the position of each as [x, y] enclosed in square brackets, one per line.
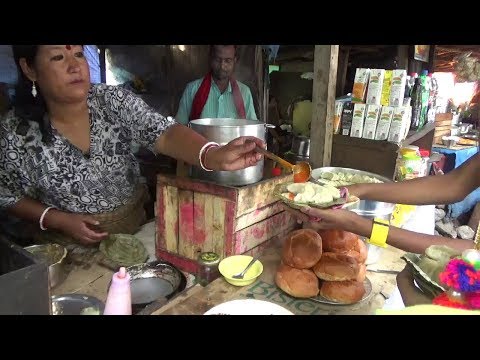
[199, 236]
[258, 233]
[186, 220]
[230, 210]
[188, 213]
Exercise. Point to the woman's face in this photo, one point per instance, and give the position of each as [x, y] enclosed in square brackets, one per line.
[61, 72]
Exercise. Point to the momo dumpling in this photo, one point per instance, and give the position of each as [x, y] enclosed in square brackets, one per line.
[322, 198]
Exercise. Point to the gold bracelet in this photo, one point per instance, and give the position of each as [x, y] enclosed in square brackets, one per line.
[379, 233]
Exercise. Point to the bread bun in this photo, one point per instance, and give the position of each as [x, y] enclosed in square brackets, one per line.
[362, 250]
[362, 273]
[295, 282]
[345, 292]
[359, 252]
[336, 267]
[338, 240]
[302, 249]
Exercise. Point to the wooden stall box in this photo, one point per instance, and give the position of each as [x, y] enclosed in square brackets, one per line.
[443, 127]
[195, 216]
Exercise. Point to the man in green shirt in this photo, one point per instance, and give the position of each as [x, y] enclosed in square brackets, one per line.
[218, 94]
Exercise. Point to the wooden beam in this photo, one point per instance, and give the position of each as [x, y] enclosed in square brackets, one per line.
[344, 52]
[402, 57]
[431, 59]
[103, 64]
[323, 98]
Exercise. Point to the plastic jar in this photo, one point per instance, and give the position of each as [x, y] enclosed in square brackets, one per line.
[207, 268]
[425, 155]
[410, 149]
[410, 167]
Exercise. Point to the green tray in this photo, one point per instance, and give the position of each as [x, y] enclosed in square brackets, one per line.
[124, 250]
[424, 282]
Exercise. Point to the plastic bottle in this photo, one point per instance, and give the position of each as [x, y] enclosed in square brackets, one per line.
[432, 111]
[408, 90]
[416, 123]
[425, 80]
[425, 155]
[119, 298]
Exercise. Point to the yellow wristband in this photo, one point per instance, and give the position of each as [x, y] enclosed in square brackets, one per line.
[379, 233]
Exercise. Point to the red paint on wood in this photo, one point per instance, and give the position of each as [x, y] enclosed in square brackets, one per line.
[258, 232]
[161, 241]
[188, 265]
[176, 229]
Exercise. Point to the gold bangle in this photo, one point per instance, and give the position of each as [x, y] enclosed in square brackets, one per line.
[379, 233]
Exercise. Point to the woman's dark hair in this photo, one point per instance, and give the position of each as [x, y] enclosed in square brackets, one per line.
[26, 106]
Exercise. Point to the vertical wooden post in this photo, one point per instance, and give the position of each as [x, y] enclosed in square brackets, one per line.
[323, 99]
[402, 57]
[343, 55]
[103, 64]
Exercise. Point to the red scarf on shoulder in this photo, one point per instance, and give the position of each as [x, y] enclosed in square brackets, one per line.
[201, 97]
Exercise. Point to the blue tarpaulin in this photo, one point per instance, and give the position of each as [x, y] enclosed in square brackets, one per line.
[458, 157]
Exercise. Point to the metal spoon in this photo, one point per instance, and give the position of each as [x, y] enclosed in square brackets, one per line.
[242, 274]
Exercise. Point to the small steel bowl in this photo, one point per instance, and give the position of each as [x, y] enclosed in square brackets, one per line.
[54, 255]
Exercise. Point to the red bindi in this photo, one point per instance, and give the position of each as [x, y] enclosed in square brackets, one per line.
[68, 47]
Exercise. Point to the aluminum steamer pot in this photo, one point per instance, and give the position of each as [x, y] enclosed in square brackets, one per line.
[222, 131]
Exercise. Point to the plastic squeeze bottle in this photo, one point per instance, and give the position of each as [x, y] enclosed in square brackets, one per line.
[119, 298]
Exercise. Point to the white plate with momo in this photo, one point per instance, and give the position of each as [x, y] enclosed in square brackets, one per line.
[297, 195]
[248, 307]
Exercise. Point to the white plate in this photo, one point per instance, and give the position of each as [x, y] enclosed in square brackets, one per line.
[248, 307]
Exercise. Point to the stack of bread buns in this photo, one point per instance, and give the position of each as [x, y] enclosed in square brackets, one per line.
[335, 257]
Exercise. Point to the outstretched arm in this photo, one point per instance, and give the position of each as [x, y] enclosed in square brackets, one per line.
[440, 189]
[162, 134]
[405, 240]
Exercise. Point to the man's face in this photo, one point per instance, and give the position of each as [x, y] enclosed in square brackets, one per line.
[222, 62]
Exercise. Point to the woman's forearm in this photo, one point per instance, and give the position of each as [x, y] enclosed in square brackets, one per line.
[408, 240]
[181, 143]
[31, 210]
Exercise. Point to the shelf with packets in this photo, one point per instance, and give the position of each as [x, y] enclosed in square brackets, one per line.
[370, 126]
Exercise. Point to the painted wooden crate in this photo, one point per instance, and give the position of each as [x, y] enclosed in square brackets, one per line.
[195, 216]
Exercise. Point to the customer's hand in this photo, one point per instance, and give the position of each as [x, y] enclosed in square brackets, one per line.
[318, 219]
[237, 154]
[78, 226]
